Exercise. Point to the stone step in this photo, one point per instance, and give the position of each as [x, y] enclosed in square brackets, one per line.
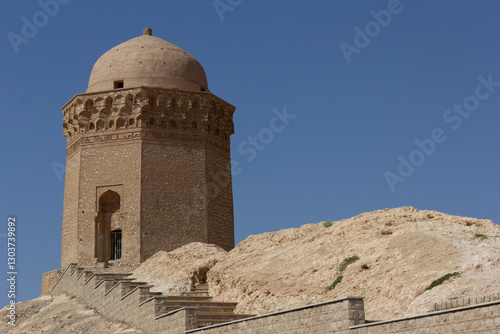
[134, 284]
[202, 287]
[155, 294]
[195, 293]
[179, 303]
[111, 275]
[209, 322]
[207, 309]
[113, 282]
[202, 315]
[124, 280]
[100, 277]
[188, 298]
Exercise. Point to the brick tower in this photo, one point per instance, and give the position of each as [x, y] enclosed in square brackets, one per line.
[148, 157]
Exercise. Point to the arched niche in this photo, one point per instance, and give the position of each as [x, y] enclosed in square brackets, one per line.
[108, 235]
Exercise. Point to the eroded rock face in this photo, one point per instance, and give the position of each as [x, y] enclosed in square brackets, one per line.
[179, 270]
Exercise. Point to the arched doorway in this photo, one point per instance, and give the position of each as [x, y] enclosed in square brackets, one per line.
[108, 234]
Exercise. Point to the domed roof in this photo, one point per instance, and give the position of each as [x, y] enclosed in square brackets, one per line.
[147, 61]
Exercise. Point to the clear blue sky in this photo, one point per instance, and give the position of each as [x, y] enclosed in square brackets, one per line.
[353, 120]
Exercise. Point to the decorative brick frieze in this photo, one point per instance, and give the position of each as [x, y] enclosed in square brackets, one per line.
[164, 113]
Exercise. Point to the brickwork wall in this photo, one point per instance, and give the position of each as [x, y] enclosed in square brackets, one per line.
[220, 198]
[49, 279]
[330, 317]
[112, 167]
[481, 318]
[69, 246]
[464, 302]
[173, 196]
[64, 283]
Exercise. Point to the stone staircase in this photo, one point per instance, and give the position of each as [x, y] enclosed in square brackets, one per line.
[209, 312]
[108, 293]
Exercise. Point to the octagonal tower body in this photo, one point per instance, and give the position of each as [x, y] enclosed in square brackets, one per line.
[148, 157]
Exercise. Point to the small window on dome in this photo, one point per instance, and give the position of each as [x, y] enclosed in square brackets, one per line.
[118, 84]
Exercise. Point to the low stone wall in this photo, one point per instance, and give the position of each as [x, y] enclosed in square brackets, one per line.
[459, 302]
[334, 316]
[121, 303]
[49, 279]
[480, 318]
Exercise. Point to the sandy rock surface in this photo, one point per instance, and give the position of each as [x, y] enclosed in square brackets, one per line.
[59, 315]
[401, 252]
[179, 270]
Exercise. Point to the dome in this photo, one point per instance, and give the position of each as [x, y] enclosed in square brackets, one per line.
[147, 61]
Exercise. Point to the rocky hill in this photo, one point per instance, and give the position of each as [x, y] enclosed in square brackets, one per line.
[401, 252]
[393, 256]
